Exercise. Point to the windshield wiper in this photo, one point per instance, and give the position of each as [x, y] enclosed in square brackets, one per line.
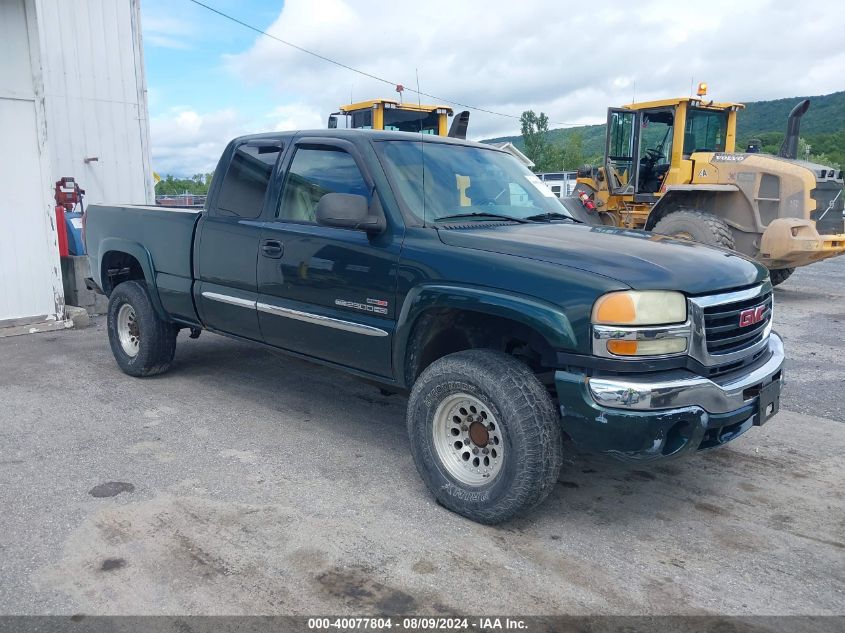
[478, 214]
[548, 217]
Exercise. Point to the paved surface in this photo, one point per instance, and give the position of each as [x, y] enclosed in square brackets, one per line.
[247, 482]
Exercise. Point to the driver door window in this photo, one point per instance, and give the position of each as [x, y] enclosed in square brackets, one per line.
[621, 144]
[314, 173]
[656, 132]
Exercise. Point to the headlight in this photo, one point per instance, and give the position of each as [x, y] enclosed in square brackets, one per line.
[640, 323]
[633, 307]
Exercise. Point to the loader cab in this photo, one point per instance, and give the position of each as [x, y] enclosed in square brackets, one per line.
[387, 114]
[649, 145]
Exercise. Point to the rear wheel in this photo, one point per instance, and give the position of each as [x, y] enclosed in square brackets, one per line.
[780, 275]
[142, 343]
[484, 434]
[697, 226]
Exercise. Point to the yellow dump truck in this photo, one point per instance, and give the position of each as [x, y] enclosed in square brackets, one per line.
[671, 167]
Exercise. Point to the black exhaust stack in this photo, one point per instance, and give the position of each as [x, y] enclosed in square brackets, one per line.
[789, 149]
[459, 125]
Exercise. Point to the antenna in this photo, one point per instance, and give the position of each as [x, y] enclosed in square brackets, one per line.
[422, 141]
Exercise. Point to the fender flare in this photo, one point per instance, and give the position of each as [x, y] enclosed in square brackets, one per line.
[144, 259]
[545, 318]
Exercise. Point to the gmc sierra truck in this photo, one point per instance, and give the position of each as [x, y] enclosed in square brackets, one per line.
[444, 269]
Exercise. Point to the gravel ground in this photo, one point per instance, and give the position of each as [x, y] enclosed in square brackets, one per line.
[245, 482]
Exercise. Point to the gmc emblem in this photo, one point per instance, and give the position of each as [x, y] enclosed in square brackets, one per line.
[751, 316]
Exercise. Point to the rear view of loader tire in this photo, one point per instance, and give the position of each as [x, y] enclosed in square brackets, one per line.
[780, 275]
[697, 226]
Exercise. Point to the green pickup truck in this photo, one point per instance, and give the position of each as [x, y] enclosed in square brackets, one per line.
[444, 269]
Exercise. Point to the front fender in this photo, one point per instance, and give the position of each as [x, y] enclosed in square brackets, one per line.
[144, 259]
[545, 318]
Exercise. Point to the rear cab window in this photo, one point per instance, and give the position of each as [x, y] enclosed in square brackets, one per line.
[247, 178]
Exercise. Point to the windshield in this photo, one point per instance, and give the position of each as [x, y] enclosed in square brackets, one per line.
[705, 131]
[398, 120]
[436, 180]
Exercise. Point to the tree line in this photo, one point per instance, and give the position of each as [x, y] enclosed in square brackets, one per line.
[547, 155]
[196, 185]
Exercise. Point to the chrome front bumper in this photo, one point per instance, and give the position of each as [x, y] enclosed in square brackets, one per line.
[675, 389]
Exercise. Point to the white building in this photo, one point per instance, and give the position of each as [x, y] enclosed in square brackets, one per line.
[513, 149]
[562, 183]
[73, 102]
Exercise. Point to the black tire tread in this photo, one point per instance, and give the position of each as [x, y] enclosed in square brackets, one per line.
[720, 233]
[780, 275]
[521, 397]
[158, 336]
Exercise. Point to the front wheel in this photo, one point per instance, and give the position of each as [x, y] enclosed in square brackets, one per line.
[697, 226]
[780, 275]
[485, 436]
[143, 344]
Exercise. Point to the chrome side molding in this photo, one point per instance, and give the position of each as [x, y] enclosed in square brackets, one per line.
[308, 317]
[319, 319]
[235, 301]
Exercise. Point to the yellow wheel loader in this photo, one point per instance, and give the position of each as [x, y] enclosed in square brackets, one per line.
[671, 167]
[388, 114]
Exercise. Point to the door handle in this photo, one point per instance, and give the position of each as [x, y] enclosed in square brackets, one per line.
[272, 248]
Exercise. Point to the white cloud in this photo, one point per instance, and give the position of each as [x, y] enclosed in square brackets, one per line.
[186, 142]
[571, 63]
[295, 116]
[166, 32]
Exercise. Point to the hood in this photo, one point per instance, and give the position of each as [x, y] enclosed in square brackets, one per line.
[643, 261]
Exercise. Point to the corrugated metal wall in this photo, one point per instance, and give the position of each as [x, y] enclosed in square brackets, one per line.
[30, 280]
[96, 98]
[72, 87]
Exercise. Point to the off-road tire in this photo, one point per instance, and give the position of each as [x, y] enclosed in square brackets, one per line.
[780, 275]
[698, 225]
[532, 442]
[157, 338]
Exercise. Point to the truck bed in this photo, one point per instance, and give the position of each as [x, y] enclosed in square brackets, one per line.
[160, 237]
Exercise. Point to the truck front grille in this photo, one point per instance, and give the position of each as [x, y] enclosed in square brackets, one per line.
[728, 328]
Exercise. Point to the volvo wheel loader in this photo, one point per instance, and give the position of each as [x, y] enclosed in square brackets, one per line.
[671, 167]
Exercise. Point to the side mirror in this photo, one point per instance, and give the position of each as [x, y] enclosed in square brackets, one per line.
[348, 211]
[332, 122]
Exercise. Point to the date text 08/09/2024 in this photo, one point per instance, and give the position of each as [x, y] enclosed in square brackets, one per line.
[416, 623]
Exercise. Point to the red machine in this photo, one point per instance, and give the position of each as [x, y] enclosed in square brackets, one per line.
[68, 194]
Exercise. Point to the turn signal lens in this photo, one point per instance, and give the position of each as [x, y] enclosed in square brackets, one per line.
[622, 348]
[654, 347]
[633, 307]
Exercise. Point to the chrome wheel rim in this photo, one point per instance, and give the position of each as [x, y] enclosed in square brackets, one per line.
[127, 330]
[468, 440]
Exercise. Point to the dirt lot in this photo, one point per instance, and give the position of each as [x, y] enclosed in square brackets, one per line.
[248, 482]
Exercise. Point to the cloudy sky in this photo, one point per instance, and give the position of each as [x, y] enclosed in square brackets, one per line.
[210, 79]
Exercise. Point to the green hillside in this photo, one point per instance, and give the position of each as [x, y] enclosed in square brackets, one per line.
[823, 128]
